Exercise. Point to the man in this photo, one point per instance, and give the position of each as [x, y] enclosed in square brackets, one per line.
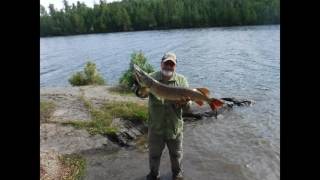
[165, 123]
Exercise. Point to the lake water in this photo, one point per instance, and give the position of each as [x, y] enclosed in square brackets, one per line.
[232, 62]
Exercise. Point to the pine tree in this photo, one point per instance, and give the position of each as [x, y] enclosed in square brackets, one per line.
[155, 14]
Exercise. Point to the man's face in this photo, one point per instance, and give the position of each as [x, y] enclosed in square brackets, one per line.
[168, 68]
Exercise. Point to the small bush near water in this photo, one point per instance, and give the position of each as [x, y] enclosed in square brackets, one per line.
[90, 76]
[138, 58]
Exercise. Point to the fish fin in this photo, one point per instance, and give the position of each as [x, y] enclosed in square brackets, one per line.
[200, 103]
[204, 91]
[215, 104]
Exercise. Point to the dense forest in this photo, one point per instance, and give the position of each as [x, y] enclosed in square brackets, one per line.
[132, 15]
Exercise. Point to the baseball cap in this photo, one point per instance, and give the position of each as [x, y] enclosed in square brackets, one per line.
[169, 56]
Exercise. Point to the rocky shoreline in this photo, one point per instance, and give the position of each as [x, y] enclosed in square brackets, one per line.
[57, 139]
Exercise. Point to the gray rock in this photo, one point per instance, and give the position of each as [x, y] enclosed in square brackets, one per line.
[68, 140]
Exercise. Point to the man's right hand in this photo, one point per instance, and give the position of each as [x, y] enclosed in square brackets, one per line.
[141, 92]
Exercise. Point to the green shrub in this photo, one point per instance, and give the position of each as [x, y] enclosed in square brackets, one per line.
[90, 76]
[138, 58]
[78, 79]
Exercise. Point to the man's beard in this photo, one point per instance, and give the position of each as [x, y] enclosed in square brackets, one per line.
[167, 72]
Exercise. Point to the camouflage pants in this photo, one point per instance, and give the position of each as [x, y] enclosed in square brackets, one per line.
[156, 146]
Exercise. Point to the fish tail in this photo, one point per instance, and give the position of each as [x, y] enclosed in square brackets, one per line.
[215, 104]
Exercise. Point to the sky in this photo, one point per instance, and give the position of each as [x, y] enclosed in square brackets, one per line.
[58, 3]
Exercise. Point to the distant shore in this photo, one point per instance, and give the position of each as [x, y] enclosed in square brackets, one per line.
[158, 29]
[77, 18]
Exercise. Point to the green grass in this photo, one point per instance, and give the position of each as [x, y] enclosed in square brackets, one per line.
[74, 166]
[121, 90]
[102, 117]
[94, 127]
[126, 110]
[46, 110]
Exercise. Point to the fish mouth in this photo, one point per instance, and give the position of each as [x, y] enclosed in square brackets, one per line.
[138, 73]
[137, 69]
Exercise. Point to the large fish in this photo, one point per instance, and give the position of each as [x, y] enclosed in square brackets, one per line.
[198, 95]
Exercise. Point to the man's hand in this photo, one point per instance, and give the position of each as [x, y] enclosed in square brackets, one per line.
[141, 92]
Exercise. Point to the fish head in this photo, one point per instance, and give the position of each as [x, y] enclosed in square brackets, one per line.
[142, 77]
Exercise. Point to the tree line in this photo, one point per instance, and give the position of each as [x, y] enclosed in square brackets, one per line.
[132, 15]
